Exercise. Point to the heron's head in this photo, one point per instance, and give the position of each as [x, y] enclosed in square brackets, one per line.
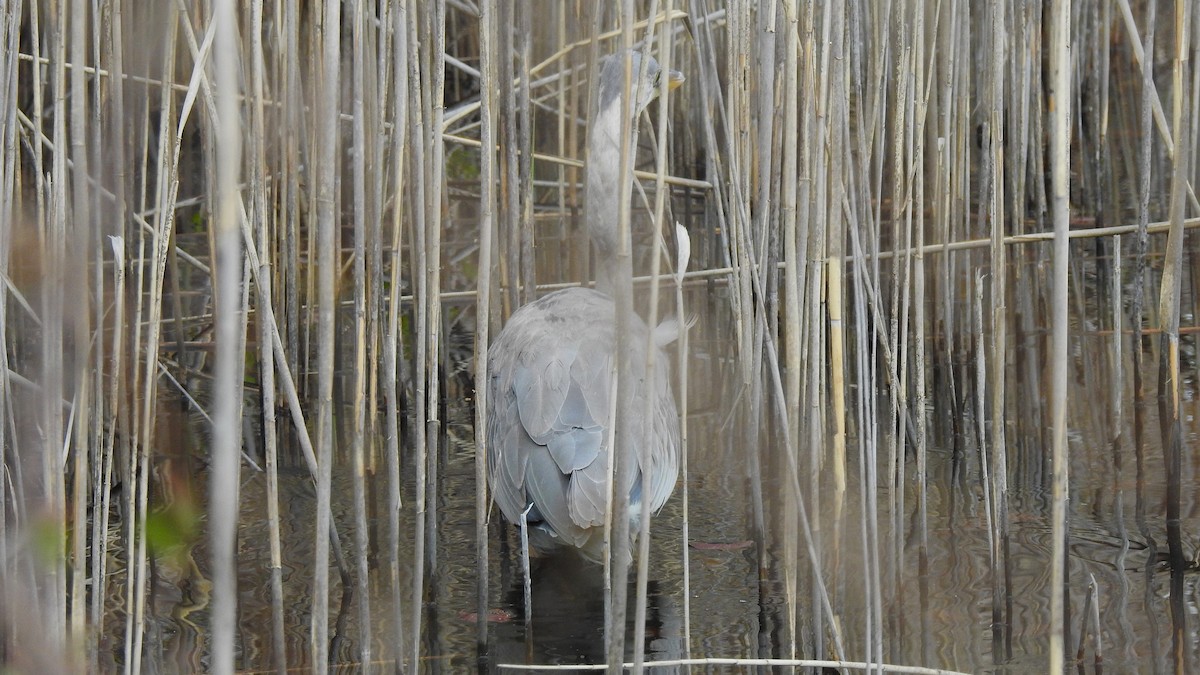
[646, 87]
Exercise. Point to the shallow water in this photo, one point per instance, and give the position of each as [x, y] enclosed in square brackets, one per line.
[940, 617]
[932, 578]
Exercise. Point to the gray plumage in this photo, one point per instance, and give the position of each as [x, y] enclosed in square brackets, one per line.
[551, 373]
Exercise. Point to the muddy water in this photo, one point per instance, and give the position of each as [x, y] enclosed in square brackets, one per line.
[935, 578]
[942, 617]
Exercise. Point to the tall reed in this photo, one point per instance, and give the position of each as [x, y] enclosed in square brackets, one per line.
[910, 222]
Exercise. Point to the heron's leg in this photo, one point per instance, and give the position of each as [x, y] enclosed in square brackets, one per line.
[525, 567]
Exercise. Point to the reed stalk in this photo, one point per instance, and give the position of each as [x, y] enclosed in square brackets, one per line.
[54, 320]
[1169, 368]
[435, 190]
[392, 344]
[483, 311]
[897, 326]
[291, 280]
[359, 395]
[997, 354]
[417, 93]
[165, 192]
[328, 93]
[224, 479]
[682, 364]
[791, 284]
[839, 118]
[987, 464]
[76, 284]
[917, 135]
[524, 143]
[261, 217]
[117, 419]
[618, 545]
[1060, 143]
[817, 342]
[10, 37]
[745, 663]
[665, 53]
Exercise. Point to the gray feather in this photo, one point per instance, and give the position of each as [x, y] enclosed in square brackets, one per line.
[548, 436]
[550, 377]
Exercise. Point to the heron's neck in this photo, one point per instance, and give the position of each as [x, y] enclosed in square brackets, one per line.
[606, 273]
[604, 189]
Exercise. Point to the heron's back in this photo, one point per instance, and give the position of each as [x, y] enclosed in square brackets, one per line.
[550, 379]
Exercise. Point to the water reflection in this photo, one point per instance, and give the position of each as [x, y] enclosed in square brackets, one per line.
[750, 589]
[567, 621]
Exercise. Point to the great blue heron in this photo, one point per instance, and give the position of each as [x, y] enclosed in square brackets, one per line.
[550, 371]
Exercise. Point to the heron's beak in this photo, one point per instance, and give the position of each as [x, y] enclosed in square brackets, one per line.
[674, 80]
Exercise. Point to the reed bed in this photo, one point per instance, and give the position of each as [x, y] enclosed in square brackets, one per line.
[909, 222]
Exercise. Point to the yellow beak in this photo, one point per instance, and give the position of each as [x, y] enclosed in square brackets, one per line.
[674, 80]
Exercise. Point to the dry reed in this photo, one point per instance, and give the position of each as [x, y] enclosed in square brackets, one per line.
[893, 286]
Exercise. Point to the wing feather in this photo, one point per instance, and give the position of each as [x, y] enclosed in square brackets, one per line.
[588, 496]
[548, 490]
[548, 438]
